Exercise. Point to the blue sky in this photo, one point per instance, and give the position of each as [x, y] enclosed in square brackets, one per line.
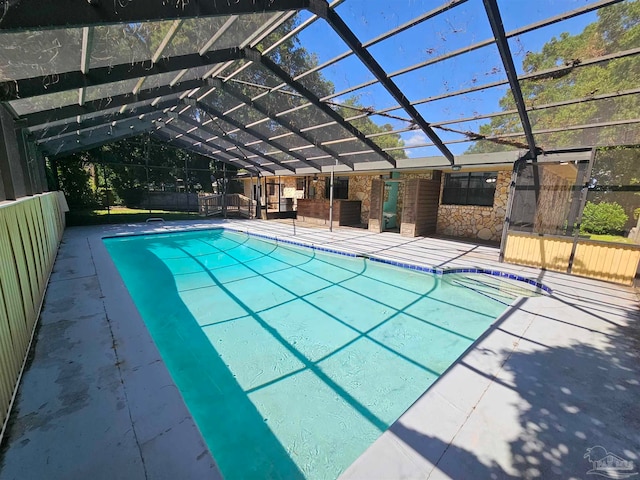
[459, 27]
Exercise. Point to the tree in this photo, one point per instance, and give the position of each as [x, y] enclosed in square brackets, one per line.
[352, 107]
[168, 166]
[254, 80]
[74, 178]
[617, 29]
[125, 160]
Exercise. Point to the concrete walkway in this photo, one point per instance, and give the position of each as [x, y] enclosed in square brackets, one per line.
[554, 376]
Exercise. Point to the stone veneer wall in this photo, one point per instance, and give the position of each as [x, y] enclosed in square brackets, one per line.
[288, 182]
[360, 189]
[484, 223]
[319, 187]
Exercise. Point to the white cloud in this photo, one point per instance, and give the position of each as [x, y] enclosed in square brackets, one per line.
[416, 138]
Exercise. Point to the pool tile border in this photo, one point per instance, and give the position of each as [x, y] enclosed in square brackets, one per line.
[436, 271]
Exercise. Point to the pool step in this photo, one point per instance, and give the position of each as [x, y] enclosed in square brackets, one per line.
[497, 288]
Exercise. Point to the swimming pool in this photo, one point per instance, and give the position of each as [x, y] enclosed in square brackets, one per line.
[293, 361]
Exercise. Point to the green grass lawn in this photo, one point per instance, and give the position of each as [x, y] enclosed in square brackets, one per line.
[611, 238]
[122, 215]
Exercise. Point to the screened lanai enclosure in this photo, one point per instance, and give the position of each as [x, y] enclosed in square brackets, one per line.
[299, 87]
[511, 122]
[283, 88]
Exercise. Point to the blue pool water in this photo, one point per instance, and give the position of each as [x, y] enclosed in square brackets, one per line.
[292, 361]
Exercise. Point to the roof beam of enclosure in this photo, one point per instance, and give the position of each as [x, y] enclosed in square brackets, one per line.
[199, 142]
[42, 131]
[248, 148]
[212, 111]
[305, 24]
[548, 73]
[321, 8]
[181, 133]
[29, 87]
[35, 14]
[79, 145]
[554, 72]
[214, 38]
[69, 111]
[205, 48]
[279, 120]
[493, 13]
[167, 137]
[184, 144]
[384, 36]
[257, 36]
[255, 56]
[511, 34]
[612, 123]
[502, 113]
[209, 142]
[535, 108]
[175, 26]
[106, 126]
[531, 76]
[519, 31]
[85, 59]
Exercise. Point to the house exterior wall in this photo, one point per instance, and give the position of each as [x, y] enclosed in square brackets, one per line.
[470, 221]
[467, 221]
[360, 189]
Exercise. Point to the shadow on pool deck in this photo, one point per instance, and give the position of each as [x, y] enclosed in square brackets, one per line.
[557, 410]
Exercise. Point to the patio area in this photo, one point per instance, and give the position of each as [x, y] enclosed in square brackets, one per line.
[554, 376]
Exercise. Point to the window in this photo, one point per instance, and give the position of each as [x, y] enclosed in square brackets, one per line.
[472, 188]
[340, 187]
[300, 183]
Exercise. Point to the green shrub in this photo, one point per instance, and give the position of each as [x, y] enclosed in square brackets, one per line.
[603, 218]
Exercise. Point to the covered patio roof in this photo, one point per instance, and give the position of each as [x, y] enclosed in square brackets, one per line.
[284, 87]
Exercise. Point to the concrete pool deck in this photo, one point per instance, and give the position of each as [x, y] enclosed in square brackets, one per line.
[554, 376]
